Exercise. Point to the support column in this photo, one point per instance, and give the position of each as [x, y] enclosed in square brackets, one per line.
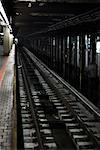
[6, 43]
[75, 61]
[70, 60]
[62, 47]
[67, 58]
[63, 53]
[82, 60]
[57, 53]
[51, 50]
[10, 41]
[93, 48]
[1, 42]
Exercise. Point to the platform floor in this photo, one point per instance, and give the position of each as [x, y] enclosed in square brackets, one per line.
[3, 63]
[6, 100]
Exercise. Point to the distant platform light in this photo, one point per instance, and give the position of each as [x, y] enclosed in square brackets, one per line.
[1, 34]
[29, 5]
[10, 20]
[16, 40]
[98, 47]
[18, 14]
[41, 4]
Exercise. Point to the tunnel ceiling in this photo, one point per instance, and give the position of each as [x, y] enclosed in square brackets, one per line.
[32, 16]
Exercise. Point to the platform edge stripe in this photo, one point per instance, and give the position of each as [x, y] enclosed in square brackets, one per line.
[14, 115]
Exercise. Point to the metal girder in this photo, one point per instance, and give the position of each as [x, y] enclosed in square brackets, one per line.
[90, 16]
[33, 24]
[63, 8]
[38, 19]
[60, 1]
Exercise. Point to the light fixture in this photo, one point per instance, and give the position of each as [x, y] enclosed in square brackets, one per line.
[17, 13]
[29, 5]
[1, 34]
[41, 4]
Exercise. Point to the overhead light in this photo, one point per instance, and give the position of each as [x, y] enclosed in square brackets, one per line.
[1, 34]
[10, 20]
[18, 14]
[41, 4]
[29, 5]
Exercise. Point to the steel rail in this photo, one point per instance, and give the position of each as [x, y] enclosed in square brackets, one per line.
[37, 63]
[26, 82]
[75, 114]
[82, 98]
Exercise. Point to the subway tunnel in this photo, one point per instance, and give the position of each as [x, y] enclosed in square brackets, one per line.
[50, 74]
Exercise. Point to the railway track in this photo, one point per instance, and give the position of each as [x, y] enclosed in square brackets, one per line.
[53, 115]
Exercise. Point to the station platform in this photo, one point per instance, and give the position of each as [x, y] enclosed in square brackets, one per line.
[6, 100]
[3, 63]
